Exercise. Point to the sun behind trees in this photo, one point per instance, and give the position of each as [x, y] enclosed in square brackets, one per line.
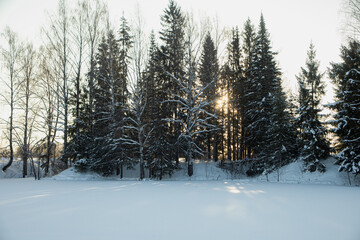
[120, 99]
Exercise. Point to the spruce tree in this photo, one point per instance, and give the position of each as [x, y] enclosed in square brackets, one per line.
[172, 52]
[232, 81]
[269, 134]
[108, 152]
[346, 77]
[158, 154]
[248, 39]
[208, 74]
[261, 73]
[314, 146]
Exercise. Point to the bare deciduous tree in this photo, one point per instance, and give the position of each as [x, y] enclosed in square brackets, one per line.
[27, 84]
[49, 102]
[58, 36]
[11, 56]
[95, 13]
[352, 12]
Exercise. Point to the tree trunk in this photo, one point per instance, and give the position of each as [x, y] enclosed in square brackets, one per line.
[11, 130]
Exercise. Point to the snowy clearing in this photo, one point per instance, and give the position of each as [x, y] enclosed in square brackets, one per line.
[58, 210]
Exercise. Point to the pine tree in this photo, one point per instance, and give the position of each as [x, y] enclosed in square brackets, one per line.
[314, 146]
[208, 73]
[346, 77]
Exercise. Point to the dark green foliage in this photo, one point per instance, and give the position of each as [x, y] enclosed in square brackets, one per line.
[314, 146]
[269, 134]
[171, 60]
[248, 38]
[208, 74]
[346, 77]
[107, 153]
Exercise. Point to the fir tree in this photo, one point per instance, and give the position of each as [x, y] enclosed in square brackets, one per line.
[314, 146]
[346, 77]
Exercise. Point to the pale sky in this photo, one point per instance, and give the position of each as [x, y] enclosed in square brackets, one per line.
[292, 24]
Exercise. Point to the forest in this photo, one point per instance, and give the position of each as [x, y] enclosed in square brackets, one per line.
[105, 98]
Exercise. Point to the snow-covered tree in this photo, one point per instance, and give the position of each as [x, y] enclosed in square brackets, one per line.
[110, 108]
[193, 118]
[140, 131]
[346, 77]
[208, 73]
[314, 145]
[136, 124]
[268, 134]
[172, 52]
[158, 155]
[248, 39]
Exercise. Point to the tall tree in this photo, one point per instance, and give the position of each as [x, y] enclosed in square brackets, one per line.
[27, 102]
[248, 39]
[266, 109]
[88, 17]
[58, 36]
[314, 145]
[346, 78]
[234, 81]
[11, 56]
[172, 58]
[208, 74]
[158, 155]
[110, 107]
[137, 124]
[95, 12]
[48, 86]
[79, 42]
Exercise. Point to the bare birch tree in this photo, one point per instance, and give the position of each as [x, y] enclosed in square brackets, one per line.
[352, 12]
[95, 12]
[194, 120]
[136, 122]
[11, 56]
[27, 103]
[58, 36]
[48, 86]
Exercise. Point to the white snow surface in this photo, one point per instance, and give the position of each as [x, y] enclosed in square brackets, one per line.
[212, 204]
[177, 210]
[205, 171]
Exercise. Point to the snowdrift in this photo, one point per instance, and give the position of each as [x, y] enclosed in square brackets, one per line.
[210, 171]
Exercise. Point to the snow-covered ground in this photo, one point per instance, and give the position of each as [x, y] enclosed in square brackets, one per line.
[159, 210]
[292, 173]
[317, 206]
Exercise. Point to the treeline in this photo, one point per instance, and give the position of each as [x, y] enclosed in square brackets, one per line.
[119, 102]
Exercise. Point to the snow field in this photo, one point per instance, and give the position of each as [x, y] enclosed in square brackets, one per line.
[94, 210]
